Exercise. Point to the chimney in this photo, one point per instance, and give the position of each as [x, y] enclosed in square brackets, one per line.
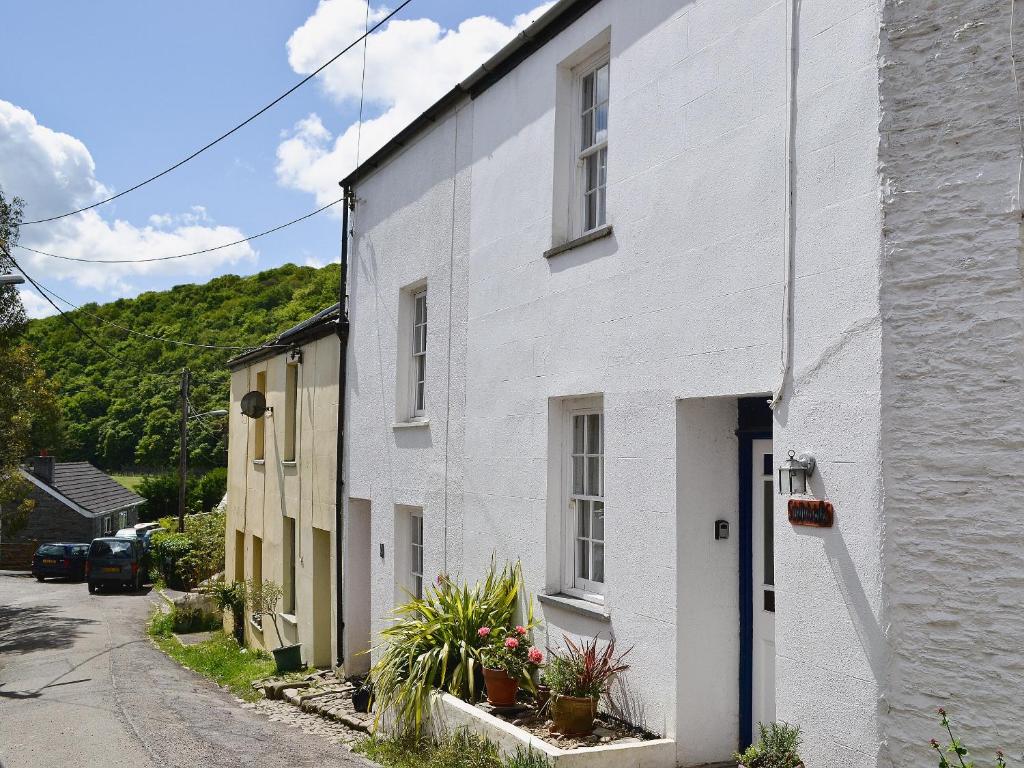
[42, 467]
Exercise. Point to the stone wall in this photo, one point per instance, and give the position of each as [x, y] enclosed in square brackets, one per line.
[953, 340]
[48, 521]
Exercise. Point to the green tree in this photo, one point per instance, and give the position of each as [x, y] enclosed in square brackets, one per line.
[29, 414]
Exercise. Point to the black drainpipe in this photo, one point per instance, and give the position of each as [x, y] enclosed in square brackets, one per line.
[339, 497]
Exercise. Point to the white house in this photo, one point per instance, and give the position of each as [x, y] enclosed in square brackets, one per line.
[576, 282]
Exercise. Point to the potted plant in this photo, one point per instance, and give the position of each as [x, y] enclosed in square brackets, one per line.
[231, 597]
[508, 659]
[776, 747]
[578, 678]
[263, 598]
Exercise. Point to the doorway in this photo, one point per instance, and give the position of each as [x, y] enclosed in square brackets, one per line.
[762, 596]
[756, 494]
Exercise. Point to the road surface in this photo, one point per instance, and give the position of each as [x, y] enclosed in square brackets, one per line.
[81, 685]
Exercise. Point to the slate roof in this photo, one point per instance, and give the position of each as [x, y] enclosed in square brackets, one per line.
[91, 488]
[323, 323]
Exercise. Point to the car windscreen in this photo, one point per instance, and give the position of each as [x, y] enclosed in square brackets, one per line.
[51, 550]
[110, 548]
[80, 550]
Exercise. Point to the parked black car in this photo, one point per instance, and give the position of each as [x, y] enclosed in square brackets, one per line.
[113, 561]
[61, 559]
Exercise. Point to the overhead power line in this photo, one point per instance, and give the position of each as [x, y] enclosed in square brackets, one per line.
[63, 314]
[44, 290]
[181, 255]
[242, 124]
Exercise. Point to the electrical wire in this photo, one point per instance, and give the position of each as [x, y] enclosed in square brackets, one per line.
[44, 290]
[63, 314]
[362, 83]
[181, 255]
[225, 135]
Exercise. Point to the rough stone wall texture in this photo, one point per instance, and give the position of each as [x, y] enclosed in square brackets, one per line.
[48, 521]
[953, 339]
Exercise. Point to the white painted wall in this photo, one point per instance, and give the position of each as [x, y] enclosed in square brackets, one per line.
[953, 438]
[683, 300]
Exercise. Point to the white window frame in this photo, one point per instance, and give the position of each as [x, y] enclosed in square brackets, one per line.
[578, 207]
[416, 553]
[418, 351]
[572, 584]
[108, 525]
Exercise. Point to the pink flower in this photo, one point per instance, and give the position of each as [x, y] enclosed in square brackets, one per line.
[535, 656]
[520, 629]
[484, 631]
[511, 643]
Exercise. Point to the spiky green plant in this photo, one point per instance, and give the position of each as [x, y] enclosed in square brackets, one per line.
[435, 643]
[777, 747]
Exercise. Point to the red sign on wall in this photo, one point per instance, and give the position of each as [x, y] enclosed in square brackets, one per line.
[813, 512]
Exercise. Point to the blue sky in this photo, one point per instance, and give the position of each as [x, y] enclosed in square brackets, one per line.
[137, 86]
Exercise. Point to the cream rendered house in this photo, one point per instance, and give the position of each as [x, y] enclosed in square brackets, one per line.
[576, 282]
[281, 483]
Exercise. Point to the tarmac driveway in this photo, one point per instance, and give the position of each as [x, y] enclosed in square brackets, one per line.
[81, 685]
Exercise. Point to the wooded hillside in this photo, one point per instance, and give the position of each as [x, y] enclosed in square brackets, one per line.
[123, 413]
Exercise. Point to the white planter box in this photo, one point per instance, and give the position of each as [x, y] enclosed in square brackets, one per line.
[448, 713]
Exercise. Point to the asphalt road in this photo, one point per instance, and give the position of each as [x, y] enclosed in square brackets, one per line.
[81, 685]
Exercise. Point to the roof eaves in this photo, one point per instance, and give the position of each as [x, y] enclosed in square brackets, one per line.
[521, 47]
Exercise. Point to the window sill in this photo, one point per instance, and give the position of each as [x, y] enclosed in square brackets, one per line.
[258, 462]
[411, 424]
[289, 464]
[289, 618]
[576, 605]
[591, 236]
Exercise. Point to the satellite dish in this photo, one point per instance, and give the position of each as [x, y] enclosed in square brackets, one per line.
[254, 404]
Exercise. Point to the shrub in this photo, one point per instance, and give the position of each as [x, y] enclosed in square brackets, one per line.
[581, 671]
[435, 642]
[210, 488]
[457, 750]
[777, 747]
[185, 559]
[956, 747]
[511, 652]
[161, 493]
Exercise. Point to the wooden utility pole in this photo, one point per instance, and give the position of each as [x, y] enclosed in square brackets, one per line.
[186, 380]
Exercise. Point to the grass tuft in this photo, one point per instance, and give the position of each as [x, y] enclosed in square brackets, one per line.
[218, 658]
[459, 750]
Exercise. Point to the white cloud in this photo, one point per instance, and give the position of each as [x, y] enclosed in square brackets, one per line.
[313, 261]
[409, 65]
[54, 172]
[35, 305]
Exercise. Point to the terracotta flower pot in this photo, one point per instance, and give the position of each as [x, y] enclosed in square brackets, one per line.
[573, 715]
[501, 688]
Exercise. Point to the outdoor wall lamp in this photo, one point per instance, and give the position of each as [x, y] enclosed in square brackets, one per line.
[793, 473]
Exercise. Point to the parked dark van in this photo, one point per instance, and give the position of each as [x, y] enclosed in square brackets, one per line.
[115, 562]
[61, 559]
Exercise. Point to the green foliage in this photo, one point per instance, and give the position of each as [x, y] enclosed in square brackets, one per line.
[115, 415]
[210, 489]
[29, 413]
[777, 747]
[459, 750]
[220, 658]
[583, 671]
[185, 559]
[228, 595]
[510, 650]
[202, 493]
[956, 748]
[435, 642]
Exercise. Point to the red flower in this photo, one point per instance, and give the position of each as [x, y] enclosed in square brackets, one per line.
[511, 643]
[484, 631]
[535, 656]
[520, 629]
